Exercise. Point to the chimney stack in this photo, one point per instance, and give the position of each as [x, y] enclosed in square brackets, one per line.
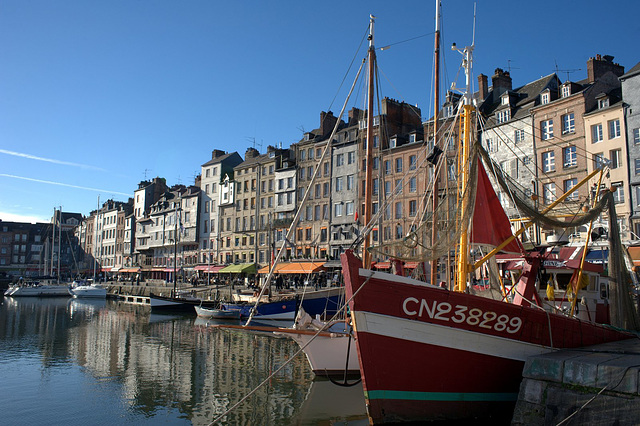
[600, 65]
[483, 87]
[216, 153]
[251, 153]
[501, 81]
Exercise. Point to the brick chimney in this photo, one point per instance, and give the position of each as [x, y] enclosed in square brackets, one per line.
[251, 153]
[216, 153]
[501, 81]
[483, 87]
[600, 65]
[327, 122]
[355, 114]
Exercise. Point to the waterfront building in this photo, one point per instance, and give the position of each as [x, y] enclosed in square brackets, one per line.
[630, 83]
[312, 231]
[148, 193]
[226, 208]
[561, 140]
[506, 132]
[397, 124]
[172, 232]
[606, 142]
[213, 173]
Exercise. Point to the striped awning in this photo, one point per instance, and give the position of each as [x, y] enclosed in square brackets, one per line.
[247, 268]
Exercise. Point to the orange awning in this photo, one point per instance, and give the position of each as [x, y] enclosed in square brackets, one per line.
[302, 268]
[411, 265]
[382, 265]
[278, 268]
[634, 252]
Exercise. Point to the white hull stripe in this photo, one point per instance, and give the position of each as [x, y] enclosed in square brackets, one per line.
[447, 337]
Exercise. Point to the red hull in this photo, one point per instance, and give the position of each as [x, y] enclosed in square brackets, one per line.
[427, 354]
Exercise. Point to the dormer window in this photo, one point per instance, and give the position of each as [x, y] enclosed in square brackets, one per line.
[362, 124]
[566, 90]
[505, 99]
[503, 116]
[412, 138]
[447, 111]
[603, 103]
[393, 142]
[544, 98]
[306, 137]
[272, 154]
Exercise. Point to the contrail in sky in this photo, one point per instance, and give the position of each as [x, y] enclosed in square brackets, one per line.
[64, 184]
[49, 160]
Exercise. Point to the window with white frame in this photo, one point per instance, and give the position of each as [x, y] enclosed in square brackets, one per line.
[568, 123]
[393, 142]
[412, 162]
[596, 133]
[350, 181]
[351, 157]
[518, 135]
[598, 160]
[615, 157]
[447, 111]
[549, 192]
[544, 98]
[349, 208]
[546, 129]
[338, 209]
[603, 103]
[568, 186]
[503, 116]
[412, 184]
[412, 138]
[491, 145]
[618, 194]
[614, 129]
[566, 90]
[548, 161]
[340, 160]
[637, 166]
[636, 136]
[637, 195]
[569, 156]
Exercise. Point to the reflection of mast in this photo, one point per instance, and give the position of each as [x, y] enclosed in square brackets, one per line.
[436, 83]
[368, 204]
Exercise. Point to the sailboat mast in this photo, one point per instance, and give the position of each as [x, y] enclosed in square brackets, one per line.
[463, 258]
[59, 240]
[368, 198]
[436, 83]
[53, 241]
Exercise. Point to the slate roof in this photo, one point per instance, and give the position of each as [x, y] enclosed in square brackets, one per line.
[633, 71]
[219, 159]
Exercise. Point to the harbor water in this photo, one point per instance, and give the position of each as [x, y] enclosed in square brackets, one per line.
[76, 362]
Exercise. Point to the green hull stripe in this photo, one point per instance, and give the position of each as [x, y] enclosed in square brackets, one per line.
[440, 396]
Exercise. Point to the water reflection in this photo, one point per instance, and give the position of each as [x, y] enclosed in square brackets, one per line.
[119, 360]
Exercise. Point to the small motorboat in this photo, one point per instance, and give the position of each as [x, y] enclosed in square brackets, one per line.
[210, 313]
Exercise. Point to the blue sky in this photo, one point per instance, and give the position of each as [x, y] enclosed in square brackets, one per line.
[97, 95]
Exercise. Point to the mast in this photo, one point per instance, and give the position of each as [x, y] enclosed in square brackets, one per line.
[368, 204]
[175, 249]
[95, 240]
[53, 241]
[463, 258]
[436, 83]
[59, 240]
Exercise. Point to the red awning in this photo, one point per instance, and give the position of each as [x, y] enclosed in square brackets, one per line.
[130, 270]
[209, 268]
[382, 265]
[411, 265]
